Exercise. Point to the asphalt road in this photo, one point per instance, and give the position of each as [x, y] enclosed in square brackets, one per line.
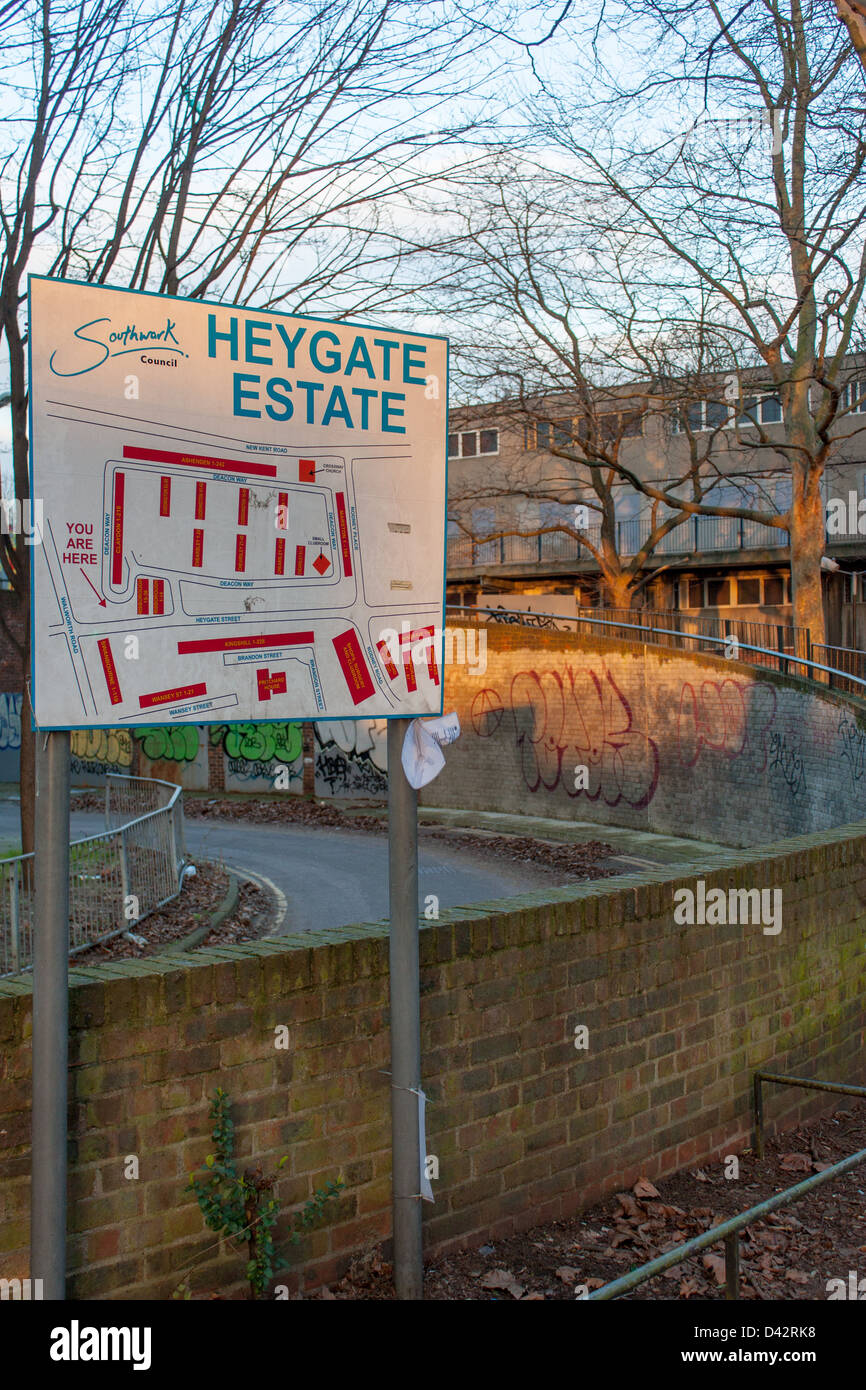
[329, 878]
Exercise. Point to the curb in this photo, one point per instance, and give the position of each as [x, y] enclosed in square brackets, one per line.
[225, 909]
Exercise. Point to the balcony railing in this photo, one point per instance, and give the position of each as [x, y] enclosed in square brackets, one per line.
[697, 535]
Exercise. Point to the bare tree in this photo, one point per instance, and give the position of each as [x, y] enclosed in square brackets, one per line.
[545, 328]
[757, 215]
[696, 219]
[233, 148]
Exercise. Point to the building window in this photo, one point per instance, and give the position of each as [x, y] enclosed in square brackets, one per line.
[483, 521]
[612, 425]
[700, 415]
[564, 434]
[557, 434]
[749, 591]
[854, 397]
[718, 593]
[691, 593]
[557, 514]
[757, 410]
[472, 444]
[774, 590]
[632, 424]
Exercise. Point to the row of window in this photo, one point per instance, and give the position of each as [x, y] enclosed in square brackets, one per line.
[750, 412]
[753, 591]
[473, 444]
[562, 434]
[716, 415]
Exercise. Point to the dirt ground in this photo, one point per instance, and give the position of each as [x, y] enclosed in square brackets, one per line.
[197, 902]
[790, 1255]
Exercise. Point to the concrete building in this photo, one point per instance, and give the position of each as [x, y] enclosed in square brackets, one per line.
[504, 480]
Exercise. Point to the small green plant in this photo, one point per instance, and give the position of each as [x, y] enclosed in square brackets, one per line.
[243, 1206]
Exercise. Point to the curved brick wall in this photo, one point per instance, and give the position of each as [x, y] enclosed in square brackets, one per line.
[676, 743]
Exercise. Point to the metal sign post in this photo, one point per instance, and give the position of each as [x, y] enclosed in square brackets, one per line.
[405, 1019]
[50, 1016]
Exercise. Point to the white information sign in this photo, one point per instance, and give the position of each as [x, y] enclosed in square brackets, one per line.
[243, 513]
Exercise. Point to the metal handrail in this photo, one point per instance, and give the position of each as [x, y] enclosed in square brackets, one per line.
[729, 1230]
[141, 859]
[779, 656]
[835, 1087]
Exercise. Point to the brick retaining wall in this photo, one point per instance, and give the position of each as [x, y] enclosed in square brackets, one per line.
[673, 742]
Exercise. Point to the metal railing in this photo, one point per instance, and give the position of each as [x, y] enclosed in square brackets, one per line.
[761, 1078]
[116, 878]
[729, 1231]
[699, 534]
[730, 634]
[849, 666]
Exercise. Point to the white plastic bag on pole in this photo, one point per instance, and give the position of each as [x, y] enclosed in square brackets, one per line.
[422, 757]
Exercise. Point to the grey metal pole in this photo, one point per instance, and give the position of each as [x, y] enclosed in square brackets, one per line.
[50, 1016]
[405, 1020]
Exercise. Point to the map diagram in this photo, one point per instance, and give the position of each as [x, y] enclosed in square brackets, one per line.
[192, 570]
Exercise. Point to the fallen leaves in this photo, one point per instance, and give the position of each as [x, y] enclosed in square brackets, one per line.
[644, 1188]
[796, 1163]
[628, 1205]
[688, 1287]
[716, 1266]
[503, 1279]
[783, 1257]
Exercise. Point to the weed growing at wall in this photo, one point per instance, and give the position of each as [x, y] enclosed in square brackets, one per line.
[243, 1206]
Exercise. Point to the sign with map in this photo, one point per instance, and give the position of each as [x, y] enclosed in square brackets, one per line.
[243, 513]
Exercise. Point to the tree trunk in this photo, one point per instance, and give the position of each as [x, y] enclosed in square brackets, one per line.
[853, 16]
[807, 548]
[617, 590]
[27, 763]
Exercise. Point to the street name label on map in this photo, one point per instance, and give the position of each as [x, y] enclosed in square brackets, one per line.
[255, 497]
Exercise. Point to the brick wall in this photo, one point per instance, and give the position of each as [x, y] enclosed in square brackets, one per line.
[671, 742]
[525, 1126]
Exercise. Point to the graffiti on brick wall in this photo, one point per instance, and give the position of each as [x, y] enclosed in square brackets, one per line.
[352, 757]
[734, 719]
[567, 718]
[726, 717]
[10, 720]
[99, 751]
[564, 719]
[259, 743]
[853, 738]
[177, 744]
[784, 754]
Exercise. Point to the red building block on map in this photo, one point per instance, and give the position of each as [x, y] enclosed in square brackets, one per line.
[270, 684]
[321, 563]
[306, 470]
